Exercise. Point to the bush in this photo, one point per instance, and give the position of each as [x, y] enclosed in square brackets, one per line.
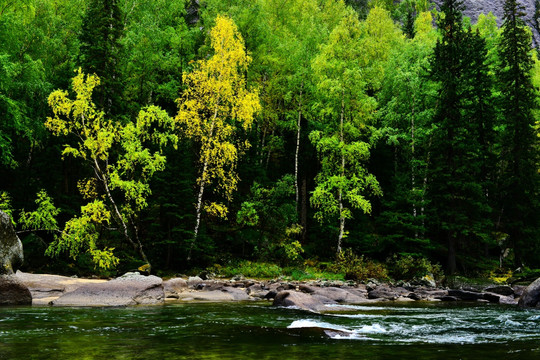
[357, 268]
[408, 267]
[248, 269]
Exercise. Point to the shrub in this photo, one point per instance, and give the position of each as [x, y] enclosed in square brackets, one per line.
[408, 267]
[357, 268]
[248, 269]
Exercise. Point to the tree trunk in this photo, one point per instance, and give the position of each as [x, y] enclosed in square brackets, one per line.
[303, 214]
[451, 254]
[298, 129]
[340, 195]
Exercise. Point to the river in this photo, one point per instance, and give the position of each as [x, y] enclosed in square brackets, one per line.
[259, 331]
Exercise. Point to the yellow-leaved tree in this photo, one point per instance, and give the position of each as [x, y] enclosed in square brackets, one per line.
[122, 163]
[215, 105]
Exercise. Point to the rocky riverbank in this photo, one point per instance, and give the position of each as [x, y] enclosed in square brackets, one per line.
[316, 296]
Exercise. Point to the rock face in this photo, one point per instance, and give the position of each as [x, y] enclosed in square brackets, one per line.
[473, 9]
[13, 291]
[129, 289]
[11, 251]
[531, 295]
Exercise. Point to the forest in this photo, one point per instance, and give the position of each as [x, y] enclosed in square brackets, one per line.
[372, 138]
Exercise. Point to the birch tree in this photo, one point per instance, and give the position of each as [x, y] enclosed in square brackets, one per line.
[214, 108]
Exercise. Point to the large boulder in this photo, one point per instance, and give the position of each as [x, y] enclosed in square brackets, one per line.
[299, 300]
[341, 295]
[129, 289]
[46, 288]
[11, 250]
[13, 291]
[531, 295]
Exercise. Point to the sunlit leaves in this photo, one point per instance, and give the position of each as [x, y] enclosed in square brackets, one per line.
[215, 106]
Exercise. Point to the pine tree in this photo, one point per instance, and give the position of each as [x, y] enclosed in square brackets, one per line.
[518, 100]
[100, 51]
[455, 190]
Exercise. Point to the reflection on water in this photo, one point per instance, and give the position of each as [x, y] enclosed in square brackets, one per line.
[258, 331]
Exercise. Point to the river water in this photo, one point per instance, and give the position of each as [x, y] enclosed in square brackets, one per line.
[259, 331]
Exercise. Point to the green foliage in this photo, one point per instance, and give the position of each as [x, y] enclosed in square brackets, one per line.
[82, 234]
[410, 266]
[248, 269]
[5, 205]
[271, 212]
[357, 267]
[44, 217]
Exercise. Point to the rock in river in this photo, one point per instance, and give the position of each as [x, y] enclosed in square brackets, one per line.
[129, 289]
[531, 295]
[13, 291]
[11, 250]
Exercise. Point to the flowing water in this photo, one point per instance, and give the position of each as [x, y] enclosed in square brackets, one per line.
[259, 331]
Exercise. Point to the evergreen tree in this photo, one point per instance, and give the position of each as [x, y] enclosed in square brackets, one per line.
[100, 51]
[518, 100]
[455, 191]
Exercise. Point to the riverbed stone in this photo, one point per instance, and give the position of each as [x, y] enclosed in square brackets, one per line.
[388, 293]
[132, 289]
[466, 295]
[13, 291]
[193, 281]
[11, 249]
[340, 295]
[298, 300]
[46, 288]
[531, 295]
[174, 286]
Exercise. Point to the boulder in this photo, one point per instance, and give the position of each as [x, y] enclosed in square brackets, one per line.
[340, 295]
[193, 281]
[44, 286]
[298, 300]
[11, 250]
[466, 295]
[385, 292]
[129, 289]
[173, 287]
[13, 291]
[531, 295]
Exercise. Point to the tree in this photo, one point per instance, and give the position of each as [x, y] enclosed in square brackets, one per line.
[100, 50]
[214, 108]
[121, 162]
[343, 182]
[406, 111]
[519, 188]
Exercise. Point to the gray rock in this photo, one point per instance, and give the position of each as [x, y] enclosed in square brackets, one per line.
[299, 300]
[193, 281]
[45, 288]
[13, 291]
[173, 287]
[518, 290]
[123, 291]
[11, 250]
[385, 292]
[531, 295]
[340, 295]
[466, 295]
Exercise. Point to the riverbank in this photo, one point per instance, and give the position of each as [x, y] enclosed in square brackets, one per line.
[316, 296]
